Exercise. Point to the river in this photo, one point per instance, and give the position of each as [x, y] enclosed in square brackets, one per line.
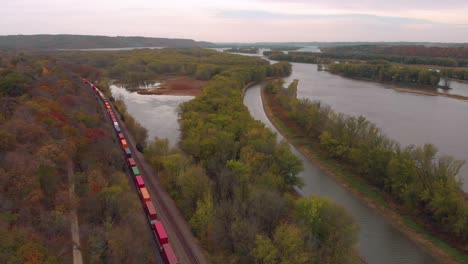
[404, 117]
[157, 113]
[379, 242]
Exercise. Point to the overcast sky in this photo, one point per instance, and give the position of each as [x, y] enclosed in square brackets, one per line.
[243, 20]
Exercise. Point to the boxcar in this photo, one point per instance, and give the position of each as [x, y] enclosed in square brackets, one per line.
[161, 234]
[145, 195]
[152, 215]
[128, 152]
[131, 162]
[135, 171]
[139, 181]
[168, 254]
[124, 143]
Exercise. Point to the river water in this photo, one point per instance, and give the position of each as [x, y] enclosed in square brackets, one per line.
[379, 242]
[157, 113]
[404, 117]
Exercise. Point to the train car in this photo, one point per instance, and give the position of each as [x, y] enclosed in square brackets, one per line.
[135, 171]
[124, 143]
[160, 232]
[131, 162]
[121, 136]
[139, 182]
[117, 128]
[152, 214]
[128, 152]
[144, 194]
[168, 254]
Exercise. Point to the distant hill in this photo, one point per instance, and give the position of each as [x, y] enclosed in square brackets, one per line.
[50, 42]
[335, 44]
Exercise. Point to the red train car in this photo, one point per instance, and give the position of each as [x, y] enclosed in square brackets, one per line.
[161, 234]
[168, 254]
[139, 181]
[151, 211]
[131, 162]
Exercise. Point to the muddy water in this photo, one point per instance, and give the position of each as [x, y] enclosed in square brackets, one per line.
[379, 242]
[157, 113]
[404, 117]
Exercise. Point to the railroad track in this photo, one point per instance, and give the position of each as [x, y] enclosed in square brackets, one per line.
[186, 245]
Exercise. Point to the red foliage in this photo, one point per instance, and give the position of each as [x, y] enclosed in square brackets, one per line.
[94, 133]
[67, 100]
[60, 117]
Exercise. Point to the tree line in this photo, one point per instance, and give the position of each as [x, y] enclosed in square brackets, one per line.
[330, 56]
[459, 52]
[387, 73]
[414, 176]
[247, 50]
[138, 66]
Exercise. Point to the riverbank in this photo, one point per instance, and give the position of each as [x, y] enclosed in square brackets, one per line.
[357, 258]
[430, 93]
[411, 88]
[359, 188]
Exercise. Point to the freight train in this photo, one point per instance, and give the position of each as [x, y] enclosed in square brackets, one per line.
[157, 227]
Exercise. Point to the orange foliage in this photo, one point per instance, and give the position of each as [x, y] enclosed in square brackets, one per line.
[29, 253]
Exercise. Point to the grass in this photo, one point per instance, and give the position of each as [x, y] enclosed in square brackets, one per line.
[456, 254]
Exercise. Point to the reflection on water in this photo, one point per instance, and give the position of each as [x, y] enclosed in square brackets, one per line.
[157, 113]
[458, 88]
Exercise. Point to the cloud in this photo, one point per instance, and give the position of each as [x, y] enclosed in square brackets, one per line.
[255, 14]
[375, 4]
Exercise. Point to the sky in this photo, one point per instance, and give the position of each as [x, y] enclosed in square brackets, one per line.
[243, 20]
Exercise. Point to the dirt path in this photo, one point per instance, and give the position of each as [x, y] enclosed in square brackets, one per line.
[75, 228]
[186, 246]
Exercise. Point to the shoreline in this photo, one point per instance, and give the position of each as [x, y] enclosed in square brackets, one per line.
[391, 214]
[430, 93]
[412, 88]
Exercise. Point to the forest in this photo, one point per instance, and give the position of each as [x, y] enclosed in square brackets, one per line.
[387, 73]
[66, 41]
[235, 183]
[416, 177]
[456, 52]
[248, 50]
[330, 56]
[229, 176]
[54, 134]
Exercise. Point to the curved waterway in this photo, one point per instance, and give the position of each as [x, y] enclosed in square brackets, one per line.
[379, 242]
[405, 117]
[157, 113]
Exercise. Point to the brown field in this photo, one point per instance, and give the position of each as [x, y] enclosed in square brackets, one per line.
[177, 85]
